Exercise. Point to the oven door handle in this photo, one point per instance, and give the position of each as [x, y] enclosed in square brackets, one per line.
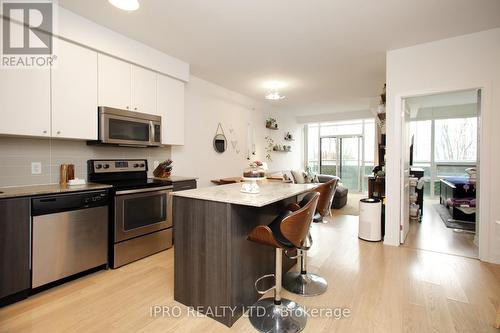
[142, 190]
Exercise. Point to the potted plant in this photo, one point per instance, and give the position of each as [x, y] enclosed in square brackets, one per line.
[271, 123]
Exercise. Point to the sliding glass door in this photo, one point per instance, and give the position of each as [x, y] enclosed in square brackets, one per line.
[342, 156]
[329, 163]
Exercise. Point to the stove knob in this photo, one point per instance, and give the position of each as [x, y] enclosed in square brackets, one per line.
[136, 165]
[98, 166]
[142, 165]
[106, 166]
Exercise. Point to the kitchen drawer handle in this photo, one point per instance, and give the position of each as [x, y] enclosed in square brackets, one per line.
[145, 190]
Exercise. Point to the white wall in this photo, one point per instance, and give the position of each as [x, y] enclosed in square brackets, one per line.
[285, 160]
[207, 104]
[465, 62]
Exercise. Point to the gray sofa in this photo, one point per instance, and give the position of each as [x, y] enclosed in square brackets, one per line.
[340, 197]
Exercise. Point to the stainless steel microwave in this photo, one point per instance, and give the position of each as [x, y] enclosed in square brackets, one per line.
[128, 128]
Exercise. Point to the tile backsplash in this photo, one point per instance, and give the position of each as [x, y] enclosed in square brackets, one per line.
[16, 155]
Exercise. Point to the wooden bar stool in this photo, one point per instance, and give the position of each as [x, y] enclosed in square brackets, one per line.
[327, 192]
[288, 231]
[304, 283]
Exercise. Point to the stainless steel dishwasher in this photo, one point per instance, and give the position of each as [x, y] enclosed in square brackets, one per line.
[70, 234]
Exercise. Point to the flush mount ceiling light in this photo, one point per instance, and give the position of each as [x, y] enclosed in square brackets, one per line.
[273, 87]
[274, 95]
[128, 5]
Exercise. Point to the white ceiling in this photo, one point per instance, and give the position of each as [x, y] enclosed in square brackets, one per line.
[330, 52]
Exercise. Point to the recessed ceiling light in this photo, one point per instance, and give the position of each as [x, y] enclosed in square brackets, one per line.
[128, 5]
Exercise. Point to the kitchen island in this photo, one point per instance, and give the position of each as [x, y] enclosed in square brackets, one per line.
[215, 265]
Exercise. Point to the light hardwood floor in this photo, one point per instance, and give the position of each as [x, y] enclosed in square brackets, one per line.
[432, 235]
[387, 289]
[352, 205]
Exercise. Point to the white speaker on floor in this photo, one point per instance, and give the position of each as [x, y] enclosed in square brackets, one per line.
[370, 219]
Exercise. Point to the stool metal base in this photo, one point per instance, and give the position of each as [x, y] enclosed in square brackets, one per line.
[304, 284]
[288, 317]
[319, 219]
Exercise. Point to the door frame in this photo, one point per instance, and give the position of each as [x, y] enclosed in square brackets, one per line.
[404, 227]
[482, 162]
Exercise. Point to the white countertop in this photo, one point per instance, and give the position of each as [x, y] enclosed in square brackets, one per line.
[269, 192]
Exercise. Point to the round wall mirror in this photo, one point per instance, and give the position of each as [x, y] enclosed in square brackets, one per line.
[220, 143]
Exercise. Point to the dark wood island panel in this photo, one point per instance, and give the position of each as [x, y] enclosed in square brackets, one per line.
[215, 265]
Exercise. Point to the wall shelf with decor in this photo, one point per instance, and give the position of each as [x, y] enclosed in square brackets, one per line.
[282, 148]
[289, 137]
[271, 124]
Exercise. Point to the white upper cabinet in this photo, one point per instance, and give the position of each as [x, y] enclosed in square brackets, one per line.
[62, 101]
[143, 90]
[25, 102]
[74, 93]
[170, 97]
[114, 77]
[126, 86]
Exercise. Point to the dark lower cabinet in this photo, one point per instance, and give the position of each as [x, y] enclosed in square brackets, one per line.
[15, 249]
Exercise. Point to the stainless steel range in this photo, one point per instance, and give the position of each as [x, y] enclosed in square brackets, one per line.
[139, 221]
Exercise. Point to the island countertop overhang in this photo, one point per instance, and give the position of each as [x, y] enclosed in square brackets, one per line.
[270, 192]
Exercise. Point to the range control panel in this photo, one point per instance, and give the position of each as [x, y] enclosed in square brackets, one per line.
[106, 166]
[66, 202]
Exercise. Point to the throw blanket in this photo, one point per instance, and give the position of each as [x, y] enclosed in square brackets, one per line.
[466, 205]
[462, 202]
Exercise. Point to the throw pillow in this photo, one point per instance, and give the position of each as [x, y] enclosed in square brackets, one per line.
[288, 177]
[307, 178]
[315, 178]
[298, 175]
[311, 177]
